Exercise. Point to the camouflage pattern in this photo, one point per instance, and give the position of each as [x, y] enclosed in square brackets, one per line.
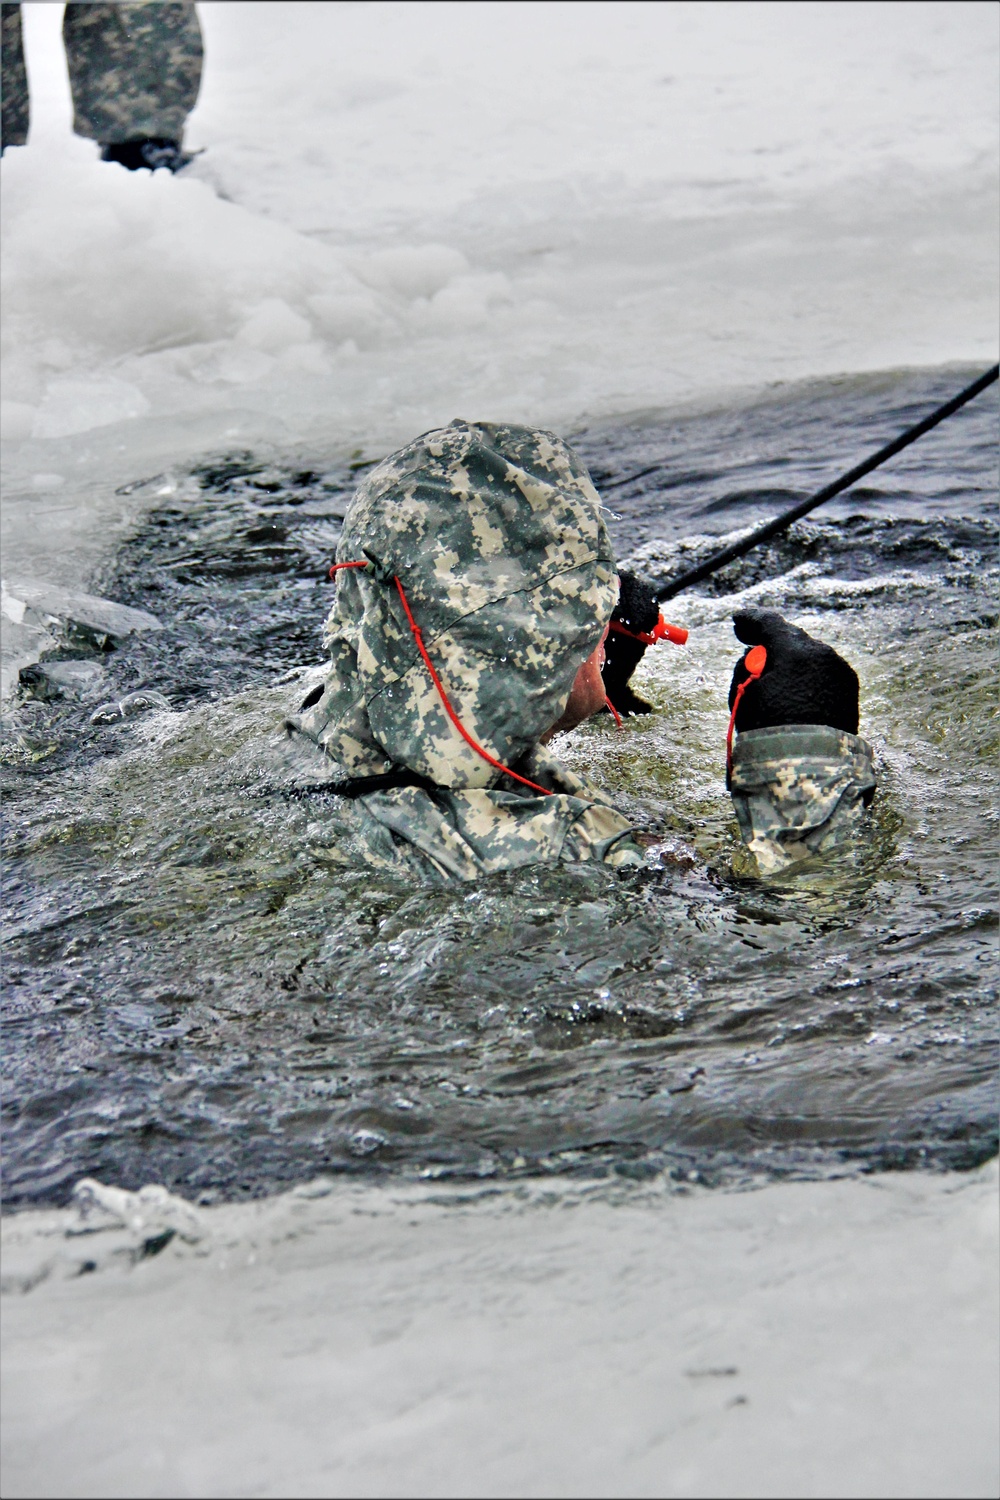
[134, 69]
[463, 835]
[496, 535]
[15, 80]
[798, 790]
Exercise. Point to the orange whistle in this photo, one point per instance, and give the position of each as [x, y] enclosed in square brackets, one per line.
[675, 633]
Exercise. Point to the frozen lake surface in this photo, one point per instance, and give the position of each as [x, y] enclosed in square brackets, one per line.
[747, 243]
[630, 1339]
[521, 212]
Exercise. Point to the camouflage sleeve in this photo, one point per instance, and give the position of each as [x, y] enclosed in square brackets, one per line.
[602, 834]
[135, 69]
[15, 80]
[799, 790]
[464, 835]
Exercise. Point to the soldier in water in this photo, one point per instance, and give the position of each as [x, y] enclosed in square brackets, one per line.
[134, 71]
[475, 583]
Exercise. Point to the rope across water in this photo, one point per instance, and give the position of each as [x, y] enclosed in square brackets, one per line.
[780, 523]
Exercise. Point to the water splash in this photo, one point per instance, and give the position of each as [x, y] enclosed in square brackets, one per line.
[205, 989]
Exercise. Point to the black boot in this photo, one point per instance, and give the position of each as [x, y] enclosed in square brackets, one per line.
[145, 152]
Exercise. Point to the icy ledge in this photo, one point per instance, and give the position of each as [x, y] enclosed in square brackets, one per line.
[37, 616]
[834, 1338]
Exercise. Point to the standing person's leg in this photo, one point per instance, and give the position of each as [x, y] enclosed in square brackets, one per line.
[135, 71]
[15, 81]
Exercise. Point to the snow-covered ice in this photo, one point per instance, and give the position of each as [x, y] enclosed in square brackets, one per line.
[407, 212]
[806, 1339]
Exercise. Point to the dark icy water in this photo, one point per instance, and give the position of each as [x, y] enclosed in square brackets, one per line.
[197, 993]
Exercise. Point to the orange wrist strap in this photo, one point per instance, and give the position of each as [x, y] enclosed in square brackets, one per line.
[755, 661]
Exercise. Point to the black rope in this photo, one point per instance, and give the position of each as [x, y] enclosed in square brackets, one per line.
[771, 528]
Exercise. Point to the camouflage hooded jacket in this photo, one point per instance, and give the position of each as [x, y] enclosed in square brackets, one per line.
[496, 536]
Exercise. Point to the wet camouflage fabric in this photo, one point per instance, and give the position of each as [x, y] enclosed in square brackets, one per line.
[798, 790]
[496, 535]
[463, 835]
[134, 69]
[15, 79]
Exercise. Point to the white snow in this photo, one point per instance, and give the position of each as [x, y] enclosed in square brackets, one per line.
[407, 212]
[807, 1339]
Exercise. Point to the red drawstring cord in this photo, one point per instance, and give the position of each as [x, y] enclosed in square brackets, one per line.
[661, 632]
[453, 716]
[755, 661]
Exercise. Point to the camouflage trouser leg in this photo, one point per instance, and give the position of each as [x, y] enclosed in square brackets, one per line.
[15, 80]
[134, 69]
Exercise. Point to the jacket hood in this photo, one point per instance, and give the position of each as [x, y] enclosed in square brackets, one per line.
[496, 536]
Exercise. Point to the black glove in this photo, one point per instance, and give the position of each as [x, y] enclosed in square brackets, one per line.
[803, 681]
[637, 610]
